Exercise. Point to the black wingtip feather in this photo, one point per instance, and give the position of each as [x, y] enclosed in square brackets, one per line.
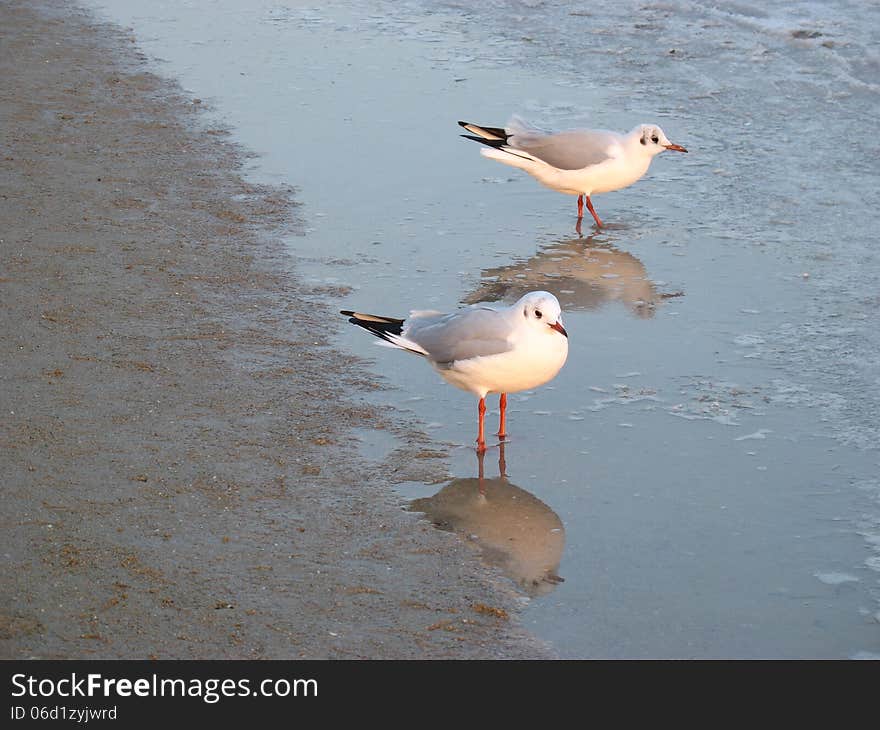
[378, 331]
[374, 324]
[496, 143]
[498, 132]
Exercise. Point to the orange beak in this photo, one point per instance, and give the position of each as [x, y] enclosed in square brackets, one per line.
[559, 328]
[675, 147]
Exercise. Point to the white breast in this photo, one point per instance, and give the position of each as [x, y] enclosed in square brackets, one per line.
[531, 364]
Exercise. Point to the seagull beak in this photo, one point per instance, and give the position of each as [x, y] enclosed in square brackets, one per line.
[559, 328]
[675, 147]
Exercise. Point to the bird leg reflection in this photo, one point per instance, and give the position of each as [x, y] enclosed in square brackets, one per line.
[502, 466]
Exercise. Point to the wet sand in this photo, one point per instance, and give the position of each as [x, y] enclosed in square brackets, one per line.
[180, 477]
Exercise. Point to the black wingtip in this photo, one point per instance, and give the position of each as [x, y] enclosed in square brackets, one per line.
[379, 326]
[495, 136]
[497, 143]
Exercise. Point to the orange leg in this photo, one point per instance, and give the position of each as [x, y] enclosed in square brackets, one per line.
[592, 210]
[580, 206]
[481, 441]
[502, 422]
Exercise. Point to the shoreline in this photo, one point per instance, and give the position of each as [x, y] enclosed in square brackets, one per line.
[176, 483]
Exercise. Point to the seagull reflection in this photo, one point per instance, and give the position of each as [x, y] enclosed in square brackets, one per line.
[582, 273]
[515, 530]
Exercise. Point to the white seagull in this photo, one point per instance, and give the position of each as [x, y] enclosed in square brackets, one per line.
[482, 349]
[578, 162]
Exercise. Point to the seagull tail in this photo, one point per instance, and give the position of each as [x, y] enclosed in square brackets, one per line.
[388, 329]
[513, 157]
[496, 139]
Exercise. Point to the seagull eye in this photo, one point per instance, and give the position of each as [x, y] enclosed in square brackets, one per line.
[538, 314]
[654, 139]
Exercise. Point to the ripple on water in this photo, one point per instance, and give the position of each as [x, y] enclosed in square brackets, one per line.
[836, 578]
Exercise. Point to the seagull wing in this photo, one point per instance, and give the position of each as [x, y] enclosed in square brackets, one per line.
[571, 150]
[477, 331]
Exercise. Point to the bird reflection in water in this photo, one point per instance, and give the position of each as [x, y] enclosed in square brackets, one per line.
[583, 273]
[515, 530]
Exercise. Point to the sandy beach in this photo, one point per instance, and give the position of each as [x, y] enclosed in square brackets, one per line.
[179, 473]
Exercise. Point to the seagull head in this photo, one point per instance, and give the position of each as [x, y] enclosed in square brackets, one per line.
[542, 311]
[654, 141]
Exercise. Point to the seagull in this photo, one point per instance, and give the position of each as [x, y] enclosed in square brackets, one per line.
[578, 161]
[482, 349]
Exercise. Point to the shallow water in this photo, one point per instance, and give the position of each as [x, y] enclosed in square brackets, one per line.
[710, 448]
